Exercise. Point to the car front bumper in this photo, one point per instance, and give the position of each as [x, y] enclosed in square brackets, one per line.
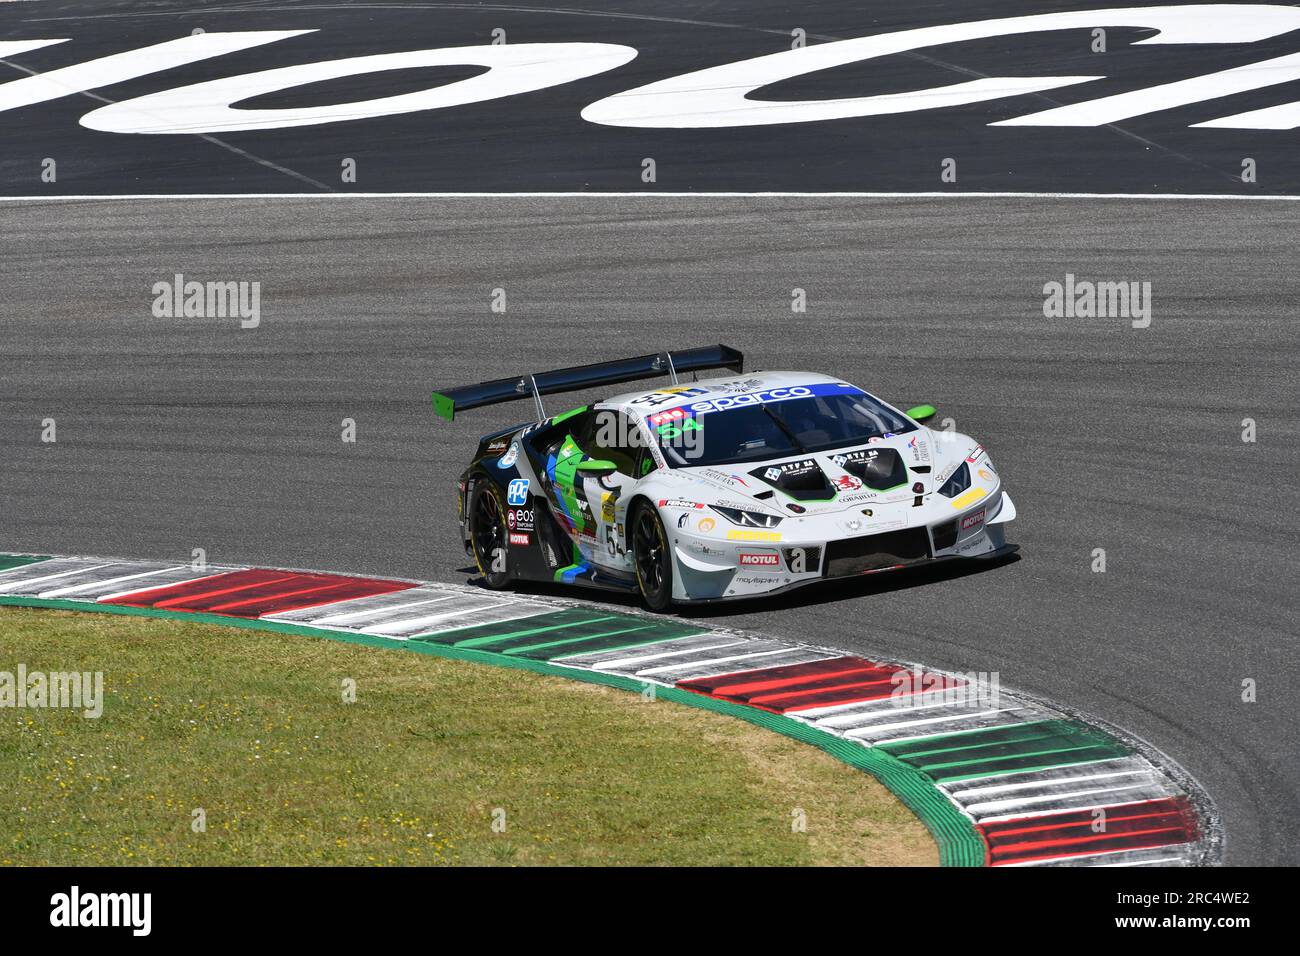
[716, 568]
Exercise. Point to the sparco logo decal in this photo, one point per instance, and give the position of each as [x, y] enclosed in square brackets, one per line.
[719, 96]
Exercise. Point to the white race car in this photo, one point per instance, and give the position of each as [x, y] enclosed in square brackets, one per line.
[720, 488]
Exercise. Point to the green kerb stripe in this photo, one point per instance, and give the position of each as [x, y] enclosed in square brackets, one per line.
[637, 636]
[8, 561]
[984, 753]
[538, 623]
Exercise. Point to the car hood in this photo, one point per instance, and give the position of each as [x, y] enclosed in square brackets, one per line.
[887, 470]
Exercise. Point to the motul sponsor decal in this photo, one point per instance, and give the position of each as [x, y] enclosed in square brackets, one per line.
[760, 559]
[972, 519]
[519, 538]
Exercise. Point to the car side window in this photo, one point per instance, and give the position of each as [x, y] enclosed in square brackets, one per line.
[615, 437]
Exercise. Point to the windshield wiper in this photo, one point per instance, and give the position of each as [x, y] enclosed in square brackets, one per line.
[785, 429]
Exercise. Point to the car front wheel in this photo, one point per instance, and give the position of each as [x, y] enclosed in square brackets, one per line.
[653, 560]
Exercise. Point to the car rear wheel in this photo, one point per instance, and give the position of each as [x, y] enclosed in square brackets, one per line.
[488, 535]
[653, 560]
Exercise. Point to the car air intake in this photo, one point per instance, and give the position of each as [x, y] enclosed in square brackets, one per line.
[945, 535]
[879, 468]
[801, 479]
[812, 558]
[877, 551]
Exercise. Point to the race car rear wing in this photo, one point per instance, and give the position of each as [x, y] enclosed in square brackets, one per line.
[536, 384]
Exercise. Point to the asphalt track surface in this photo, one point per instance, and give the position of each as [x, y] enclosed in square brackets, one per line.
[538, 141]
[175, 434]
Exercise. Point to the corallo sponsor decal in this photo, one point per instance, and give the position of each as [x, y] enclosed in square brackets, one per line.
[847, 483]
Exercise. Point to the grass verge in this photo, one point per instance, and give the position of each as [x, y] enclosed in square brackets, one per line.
[251, 728]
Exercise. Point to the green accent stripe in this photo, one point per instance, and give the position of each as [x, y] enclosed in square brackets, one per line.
[637, 635]
[1036, 745]
[959, 843]
[9, 561]
[490, 633]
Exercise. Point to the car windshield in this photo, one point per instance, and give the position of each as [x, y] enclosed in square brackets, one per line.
[693, 436]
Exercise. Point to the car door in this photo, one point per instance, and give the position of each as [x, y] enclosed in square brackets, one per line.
[616, 438]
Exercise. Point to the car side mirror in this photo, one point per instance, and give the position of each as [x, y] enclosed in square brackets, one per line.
[597, 466]
[921, 412]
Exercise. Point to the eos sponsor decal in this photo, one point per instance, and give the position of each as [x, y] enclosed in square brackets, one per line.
[520, 519]
[760, 559]
[972, 519]
[752, 535]
[721, 96]
[518, 538]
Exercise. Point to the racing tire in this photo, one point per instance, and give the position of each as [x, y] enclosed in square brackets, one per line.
[652, 558]
[488, 535]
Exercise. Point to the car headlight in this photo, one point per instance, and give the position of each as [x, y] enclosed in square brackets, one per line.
[748, 519]
[958, 483]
